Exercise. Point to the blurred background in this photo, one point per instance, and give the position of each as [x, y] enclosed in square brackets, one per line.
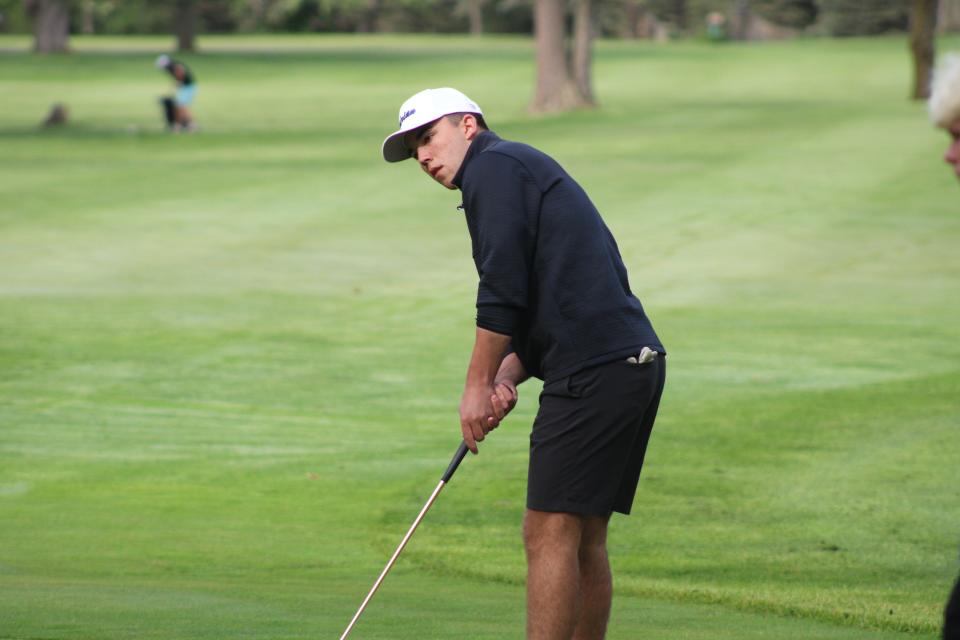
[741, 19]
[231, 356]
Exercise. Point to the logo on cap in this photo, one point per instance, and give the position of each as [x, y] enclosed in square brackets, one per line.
[407, 115]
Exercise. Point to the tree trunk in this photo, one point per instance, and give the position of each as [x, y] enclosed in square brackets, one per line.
[556, 90]
[475, 16]
[89, 23]
[369, 17]
[583, 33]
[948, 17]
[257, 10]
[185, 25]
[740, 24]
[680, 11]
[51, 25]
[631, 14]
[923, 24]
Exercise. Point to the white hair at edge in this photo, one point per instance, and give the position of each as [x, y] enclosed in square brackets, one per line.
[945, 94]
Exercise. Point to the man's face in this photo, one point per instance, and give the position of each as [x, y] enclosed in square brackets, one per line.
[440, 147]
[952, 157]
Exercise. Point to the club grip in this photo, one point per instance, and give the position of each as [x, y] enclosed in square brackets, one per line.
[457, 459]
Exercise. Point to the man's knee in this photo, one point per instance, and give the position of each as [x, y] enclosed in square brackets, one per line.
[594, 532]
[551, 530]
[593, 541]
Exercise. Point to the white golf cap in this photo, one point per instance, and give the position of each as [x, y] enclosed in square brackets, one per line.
[162, 61]
[423, 108]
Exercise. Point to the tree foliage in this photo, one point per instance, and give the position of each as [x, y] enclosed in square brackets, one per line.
[864, 17]
[675, 12]
[430, 16]
[830, 17]
[796, 14]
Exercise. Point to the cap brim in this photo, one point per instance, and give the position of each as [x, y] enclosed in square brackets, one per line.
[393, 148]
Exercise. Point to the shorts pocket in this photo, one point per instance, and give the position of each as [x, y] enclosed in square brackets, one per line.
[584, 383]
[559, 388]
[577, 385]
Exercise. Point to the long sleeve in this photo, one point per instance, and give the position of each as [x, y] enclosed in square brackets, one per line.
[498, 205]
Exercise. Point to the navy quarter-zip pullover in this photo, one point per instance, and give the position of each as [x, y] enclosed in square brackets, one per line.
[551, 275]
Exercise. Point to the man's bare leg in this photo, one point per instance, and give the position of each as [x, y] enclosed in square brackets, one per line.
[596, 583]
[552, 543]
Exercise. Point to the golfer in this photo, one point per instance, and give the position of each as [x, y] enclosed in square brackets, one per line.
[553, 302]
[185, 94]
[945, 113]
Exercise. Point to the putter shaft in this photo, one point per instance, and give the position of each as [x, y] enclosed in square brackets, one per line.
[457, 458]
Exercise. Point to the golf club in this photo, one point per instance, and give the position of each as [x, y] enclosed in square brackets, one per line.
[457, 458]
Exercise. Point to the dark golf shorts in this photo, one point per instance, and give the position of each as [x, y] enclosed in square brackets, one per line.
[590, 436]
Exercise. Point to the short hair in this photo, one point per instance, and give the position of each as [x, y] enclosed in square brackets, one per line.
[456, 118]
[944, 102]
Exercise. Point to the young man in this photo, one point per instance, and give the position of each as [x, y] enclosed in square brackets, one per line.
[186, 91]
[945, 113]
[553, 302]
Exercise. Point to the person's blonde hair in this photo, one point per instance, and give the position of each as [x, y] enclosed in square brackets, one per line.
[944, 102]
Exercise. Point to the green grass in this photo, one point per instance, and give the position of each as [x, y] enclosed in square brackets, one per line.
[230, 363]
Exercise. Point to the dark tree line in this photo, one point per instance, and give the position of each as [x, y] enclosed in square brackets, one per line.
[612, 18]
[564, 29]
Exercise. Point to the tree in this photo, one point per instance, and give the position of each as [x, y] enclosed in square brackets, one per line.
[51, 25]
[796, 14]
[583, 34]
[473, 9]
[557, 88]
[185, 24]
[741, 19]
[923, 24]
[369, 16]
[948, 18]
[88, 15]
[259, 15]
[864, 17]
[674, 12]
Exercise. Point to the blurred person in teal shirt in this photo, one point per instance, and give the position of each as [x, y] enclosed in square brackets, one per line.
[182, 120]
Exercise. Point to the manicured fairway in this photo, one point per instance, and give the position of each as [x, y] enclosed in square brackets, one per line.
[230, 363]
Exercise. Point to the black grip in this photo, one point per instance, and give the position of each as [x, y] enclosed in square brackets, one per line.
[457, 459]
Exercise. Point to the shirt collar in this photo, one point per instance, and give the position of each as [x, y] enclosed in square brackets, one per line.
[483, 140]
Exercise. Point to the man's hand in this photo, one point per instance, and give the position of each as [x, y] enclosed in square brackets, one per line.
[504, 398]
[478, 414]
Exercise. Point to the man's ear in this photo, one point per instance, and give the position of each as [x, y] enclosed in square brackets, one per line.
[469, 126]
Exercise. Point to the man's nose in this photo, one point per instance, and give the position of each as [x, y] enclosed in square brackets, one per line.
[953, 153]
